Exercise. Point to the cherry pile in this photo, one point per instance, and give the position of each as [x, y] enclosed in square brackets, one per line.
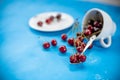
[50, 19]
[93, 27]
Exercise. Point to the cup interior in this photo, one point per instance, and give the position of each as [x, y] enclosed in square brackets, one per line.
[94, 15]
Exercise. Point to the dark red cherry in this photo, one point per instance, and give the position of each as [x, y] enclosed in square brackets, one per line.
[46, 45]
[90, 27]
[87, 32]
[80, 49]
[51, 18]
[82, 58]
[40, 23]
[80, 38]
[71, 41]
[48, 21]
[73, 59]
[64, 37]
[54, 42]
[62, 49]
[96, 23]
[83, 44]
[58, 16]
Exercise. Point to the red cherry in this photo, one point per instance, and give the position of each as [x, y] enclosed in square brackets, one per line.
[51, 18]
[64, 37]
[82, 58]
[90, 46]
[87, 32]
[46, 45]
[40, 23]
[48, 21]
[83, 44]
[80, 49]
[76, 44]
[71, 41]
[96, 23]
[62, 49]
[73, 59]
[58, 16]
[80, 38]
[77, 56]
[90, 27]
[99, 25]
[54, 42]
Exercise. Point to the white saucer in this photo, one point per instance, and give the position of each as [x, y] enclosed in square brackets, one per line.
[65, 22]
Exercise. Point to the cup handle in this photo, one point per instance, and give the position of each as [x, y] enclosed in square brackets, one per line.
[106, 45]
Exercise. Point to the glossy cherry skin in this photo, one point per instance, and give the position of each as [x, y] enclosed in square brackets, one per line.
[71, 41]
[73, 59]
[48, 21]
[90, 27]
[87, 32]
[64, 37]
[46, 45]
[62, 49]
[54, 42]
[80, 49]
[83, 44]
[82, 58]
[40, 23]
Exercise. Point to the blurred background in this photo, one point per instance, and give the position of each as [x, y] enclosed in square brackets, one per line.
[111, 2]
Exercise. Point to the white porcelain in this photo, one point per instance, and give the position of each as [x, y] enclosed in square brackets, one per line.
[65, 22]
[108, 29]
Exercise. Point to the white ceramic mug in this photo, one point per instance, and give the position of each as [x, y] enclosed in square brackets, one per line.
[108, 28]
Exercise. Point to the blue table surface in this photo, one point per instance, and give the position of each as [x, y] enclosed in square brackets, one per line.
[23, 58]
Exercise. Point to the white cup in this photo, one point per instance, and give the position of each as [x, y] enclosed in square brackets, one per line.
[108, 28]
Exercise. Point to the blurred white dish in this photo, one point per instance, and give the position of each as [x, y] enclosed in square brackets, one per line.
[65, 22]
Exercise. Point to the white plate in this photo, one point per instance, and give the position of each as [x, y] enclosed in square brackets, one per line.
[65, 22]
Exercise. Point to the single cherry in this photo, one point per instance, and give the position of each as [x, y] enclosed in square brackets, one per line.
[80, 49]
[96, 23]
[46, 45]
[73, 59]
[82, 58]
[58, 16]
[64, 37]
[51, 18]
[40, 23]
[76, 44]
[62, 49]
[71, 41]
[48, 21]
[83, 44]
[54, 42]
[87, 32]
[90, 27]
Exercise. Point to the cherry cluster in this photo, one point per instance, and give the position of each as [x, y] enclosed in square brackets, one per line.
[50, 19]
[92, 28]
